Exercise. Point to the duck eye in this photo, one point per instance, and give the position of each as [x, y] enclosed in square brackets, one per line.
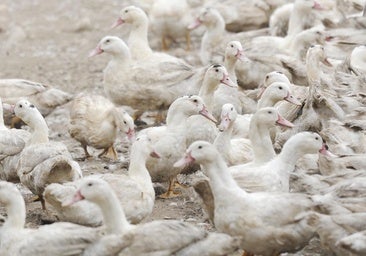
[195, 100]
[280, 87]
[20, 105]
[231, 46]
[107, 41]
[316, 138]
[31, 105]
[124, 122]
[199, 147]
[232, 109]
[90, 184]
[126, 11]
[267, 76]
[216, 70]
[269, 112]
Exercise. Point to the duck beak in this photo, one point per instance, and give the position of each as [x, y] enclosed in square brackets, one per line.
[225, 122]
[76, 198]
[327, 63]
[187, 159]
[154, 154]
[96, 51]
[283, 122]
[118, 22]
[131, 135]
[317, 6]
[226, 80]
[9, 107]
[261, 91]
[292, 99]
[207, 114]
[195, 24]
[324, 151]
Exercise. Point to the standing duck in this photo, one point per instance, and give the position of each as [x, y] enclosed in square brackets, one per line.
[42, 162]
[171, 141]
[94, 121]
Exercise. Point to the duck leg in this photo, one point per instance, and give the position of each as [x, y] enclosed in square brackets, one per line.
[247, 253]
[170, 193]
[41, 199]
[164, 44]
[87, 155]
[188, 40]
[109, 153]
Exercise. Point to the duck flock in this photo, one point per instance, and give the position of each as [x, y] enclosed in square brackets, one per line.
[261, 114]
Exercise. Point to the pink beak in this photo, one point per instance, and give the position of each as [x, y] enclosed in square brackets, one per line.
[118, 22]
[131, 134]
[326, 62]
[96, 51]
[240, 56]
[187, 159]
[292, 99]
[317, 6]
[324, 151]
[77, 197]
[226, 80]
[195, 24]
[207, 114]
[225, 122]
[261, 91]
[283, 122]
[9, 107]
[154, 154]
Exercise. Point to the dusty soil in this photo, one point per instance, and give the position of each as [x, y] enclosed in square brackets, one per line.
[48, 42]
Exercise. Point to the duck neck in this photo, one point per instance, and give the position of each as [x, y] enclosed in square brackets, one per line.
[261, 142]
[223, 139]
[221, 181]
[290, 154]
[39, 127]
[114, 218]
[138, 40]
[16, 214]
[229, 64]
[137, 168]
[207, 92]
[266, 101]
[313, 69]
[215, 29]
[295, 24]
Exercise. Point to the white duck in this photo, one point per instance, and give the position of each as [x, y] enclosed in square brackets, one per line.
[269, 223]
[171, 141]
[56, 239]
[274, 176]
[12, 142]
[123, 83]
[95, 121]
[199, 128]
[355, 243]
[216, 37]
[122, 238]
[135, 190]
[234, 151]
[42, 162]
[358, 60]
[169, 20]
[225, 94]
[332, 228]
[44, 97]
